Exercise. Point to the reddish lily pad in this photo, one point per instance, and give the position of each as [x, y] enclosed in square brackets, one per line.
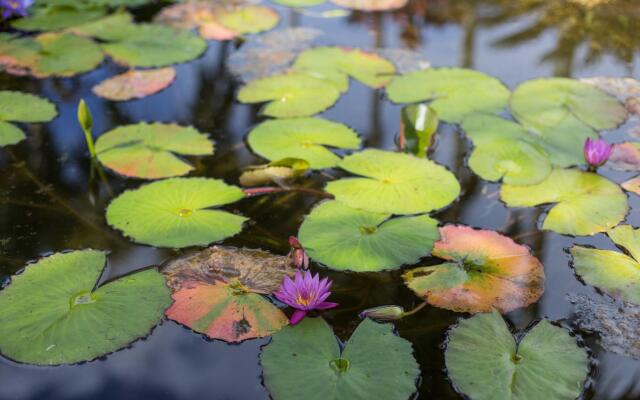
[487, 271]
[625, 157]
[219, 292]
[371, 5]
[135, 84]
[632, 185]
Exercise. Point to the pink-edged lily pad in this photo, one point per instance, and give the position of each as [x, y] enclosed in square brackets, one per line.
[485, 270]
[625, 157]
[135, 84]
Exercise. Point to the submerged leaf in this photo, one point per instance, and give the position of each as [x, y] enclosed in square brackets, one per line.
[394, 183]
[371, 5]
[290, 95]
[613, 272]
[305, 361]
[135, 84]
[218, 292]
[177, 212]
[485, 362]
[305, 138]
[452, 92]
[52, 313]
[151, 151]
[487, 271]
[586, 202]
[346, 238]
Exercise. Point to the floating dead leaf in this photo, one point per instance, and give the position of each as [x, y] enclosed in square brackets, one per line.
[279, 172]
[487, 271]
[135, 84]
[632, 185]
[625, 157]
[405, 60]
[371, 5]
[219, 292]
[617, 324]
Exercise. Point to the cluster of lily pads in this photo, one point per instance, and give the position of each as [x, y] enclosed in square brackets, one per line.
[378, 215]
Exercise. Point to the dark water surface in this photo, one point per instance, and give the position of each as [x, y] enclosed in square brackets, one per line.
[48, 203]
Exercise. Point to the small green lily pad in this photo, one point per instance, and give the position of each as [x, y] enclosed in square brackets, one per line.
[151, 151]
[486, 271]
[613, 272]
[305, 361]
[337, 64]
[346, 238]
[248, 19]
[21, 107]
[394, 183]
[485, 362]
[290, 95]
[586, 202]
[305, 138]
[177, 212]
[452, 92]
[52, 313]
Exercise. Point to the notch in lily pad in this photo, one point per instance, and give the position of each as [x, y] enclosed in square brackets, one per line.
[151, 151]
[485, 362]
[52, 313]
[21, 107]
[485, 270]
[303, 360]
[220, 292]
[177, 212]
[345, 238]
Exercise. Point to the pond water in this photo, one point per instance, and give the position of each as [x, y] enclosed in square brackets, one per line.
[49, 202]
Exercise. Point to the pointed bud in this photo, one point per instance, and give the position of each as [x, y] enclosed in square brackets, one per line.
[383, 313]
[84, 116]
[299, 257]
[596, 152]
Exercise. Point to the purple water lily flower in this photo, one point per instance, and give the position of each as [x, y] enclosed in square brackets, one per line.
[596, 152]
[305, 292]
[14, 8]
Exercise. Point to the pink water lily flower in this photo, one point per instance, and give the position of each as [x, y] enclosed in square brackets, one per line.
[596, 152]
[305, 292]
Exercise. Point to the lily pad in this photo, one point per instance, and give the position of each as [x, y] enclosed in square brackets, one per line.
[486, 271]
[52, 313]
[632, 185]
[394, 183]
[55, 17]
[371, 5]
[143, 45]
[305, 138]
[49, 54]
[452, 92]
[219, 292]
[625, 157]
[346, 238]
[585, 203]
[177, 212]
[290, 95]
[337, 64]
[305, 361]
[248, 19]
[613, 272]
[546, 104]
[151, 151]
[135, 84]
[486, 362]
[21, 107]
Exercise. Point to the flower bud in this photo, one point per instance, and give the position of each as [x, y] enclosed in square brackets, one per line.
[383, 313]
[84, 116]
[596, 152]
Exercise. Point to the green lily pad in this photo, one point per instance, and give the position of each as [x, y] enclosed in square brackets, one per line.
[248, 19]
[177, 212]
[452, 92]
[337, 64]
[219, 292]
[487, 271]
[305, 138]
[52, 313]
[290, 95]
[299, 3]
[586, 203]
[143, 45]
[49, 54]
[346, 238]
[485, 362]
[394, 183]
[56, 17]
[615, 273]
[151, 151]
[305, 361]
[21, 107]
[546, 104]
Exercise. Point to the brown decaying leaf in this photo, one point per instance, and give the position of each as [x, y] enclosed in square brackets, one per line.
[135, 84]
[193, 14]
[371, 5]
